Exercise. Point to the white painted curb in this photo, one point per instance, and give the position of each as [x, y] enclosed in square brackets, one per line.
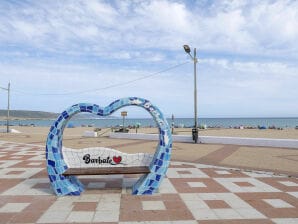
[267, 142]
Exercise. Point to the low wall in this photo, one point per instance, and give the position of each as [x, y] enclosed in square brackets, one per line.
[266, 142]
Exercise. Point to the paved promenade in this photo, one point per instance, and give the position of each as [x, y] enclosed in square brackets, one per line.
[191, 193]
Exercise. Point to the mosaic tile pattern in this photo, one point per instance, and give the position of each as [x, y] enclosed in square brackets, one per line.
[70, 185]
[75, 158]
[200, 196]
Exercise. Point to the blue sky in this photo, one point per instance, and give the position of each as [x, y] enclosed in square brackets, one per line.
[248, 55]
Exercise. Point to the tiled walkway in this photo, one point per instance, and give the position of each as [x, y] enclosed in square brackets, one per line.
[191, 193]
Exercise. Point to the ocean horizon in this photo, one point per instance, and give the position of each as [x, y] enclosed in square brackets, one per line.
[278, 122]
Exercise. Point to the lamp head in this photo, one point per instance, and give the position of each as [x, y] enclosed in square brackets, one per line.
[187, 49]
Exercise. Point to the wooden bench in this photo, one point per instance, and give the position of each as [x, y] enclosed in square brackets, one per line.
[107, 170]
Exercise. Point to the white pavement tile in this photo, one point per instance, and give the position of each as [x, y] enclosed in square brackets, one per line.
[190, 196]
[35, 163]
[278, 203]
[222, 172]
[226, 213]
[80, 216]
[18, 172]
[195, 202]
[8, 163]
[258, 186]
[88, 198]
[203, 214]
[289, 183]
[14, 207]
[106, 216]
[191, 173]
[285, 221]
[25, 188]
[250, 213]
[166, 187]
[295, 194]
[153, 205]
[196, 184]
[109, 202]
[53, 217]
[163, 222]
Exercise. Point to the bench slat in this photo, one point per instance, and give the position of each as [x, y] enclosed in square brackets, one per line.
[107, 170]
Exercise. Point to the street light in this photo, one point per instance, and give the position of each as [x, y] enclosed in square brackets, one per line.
[195, 131]
[8, 101]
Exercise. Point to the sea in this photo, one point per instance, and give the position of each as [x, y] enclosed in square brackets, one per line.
[178, 122]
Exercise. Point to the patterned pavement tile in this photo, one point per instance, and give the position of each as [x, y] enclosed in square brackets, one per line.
[190, 193]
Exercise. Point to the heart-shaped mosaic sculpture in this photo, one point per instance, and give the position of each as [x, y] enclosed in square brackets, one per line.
[70, 185]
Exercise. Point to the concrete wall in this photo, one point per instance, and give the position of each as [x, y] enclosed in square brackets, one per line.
[267, 142]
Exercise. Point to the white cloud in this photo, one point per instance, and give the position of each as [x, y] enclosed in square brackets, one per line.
[243, 27]
[247, 50]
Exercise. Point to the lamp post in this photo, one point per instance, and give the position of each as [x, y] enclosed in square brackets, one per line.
[8, 105]
[195, 131]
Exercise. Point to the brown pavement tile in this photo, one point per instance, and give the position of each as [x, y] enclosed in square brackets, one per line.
[197, 185]
[84, 206]
[175, 209]
[244, 184]
[258, 201]
[16, 157]
[223, 173]
[6, 217]
[6, 184]
[26, 217]
[41, 174]
[237, 221]
[215, 204]
[158, 207]
[42, 186]
[285, 184]
[217, 156]
[15, 172]
[30, 164]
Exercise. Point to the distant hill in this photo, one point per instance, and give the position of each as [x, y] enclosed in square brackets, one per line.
[28, 114]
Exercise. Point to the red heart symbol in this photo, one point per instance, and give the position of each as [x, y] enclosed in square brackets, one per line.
[117, 159]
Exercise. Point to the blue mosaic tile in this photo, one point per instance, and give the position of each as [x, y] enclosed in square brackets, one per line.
[56, 166]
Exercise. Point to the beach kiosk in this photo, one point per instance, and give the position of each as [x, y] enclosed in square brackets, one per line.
[65, 164]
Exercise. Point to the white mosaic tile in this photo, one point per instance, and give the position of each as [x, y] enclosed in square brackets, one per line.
[74, 158]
